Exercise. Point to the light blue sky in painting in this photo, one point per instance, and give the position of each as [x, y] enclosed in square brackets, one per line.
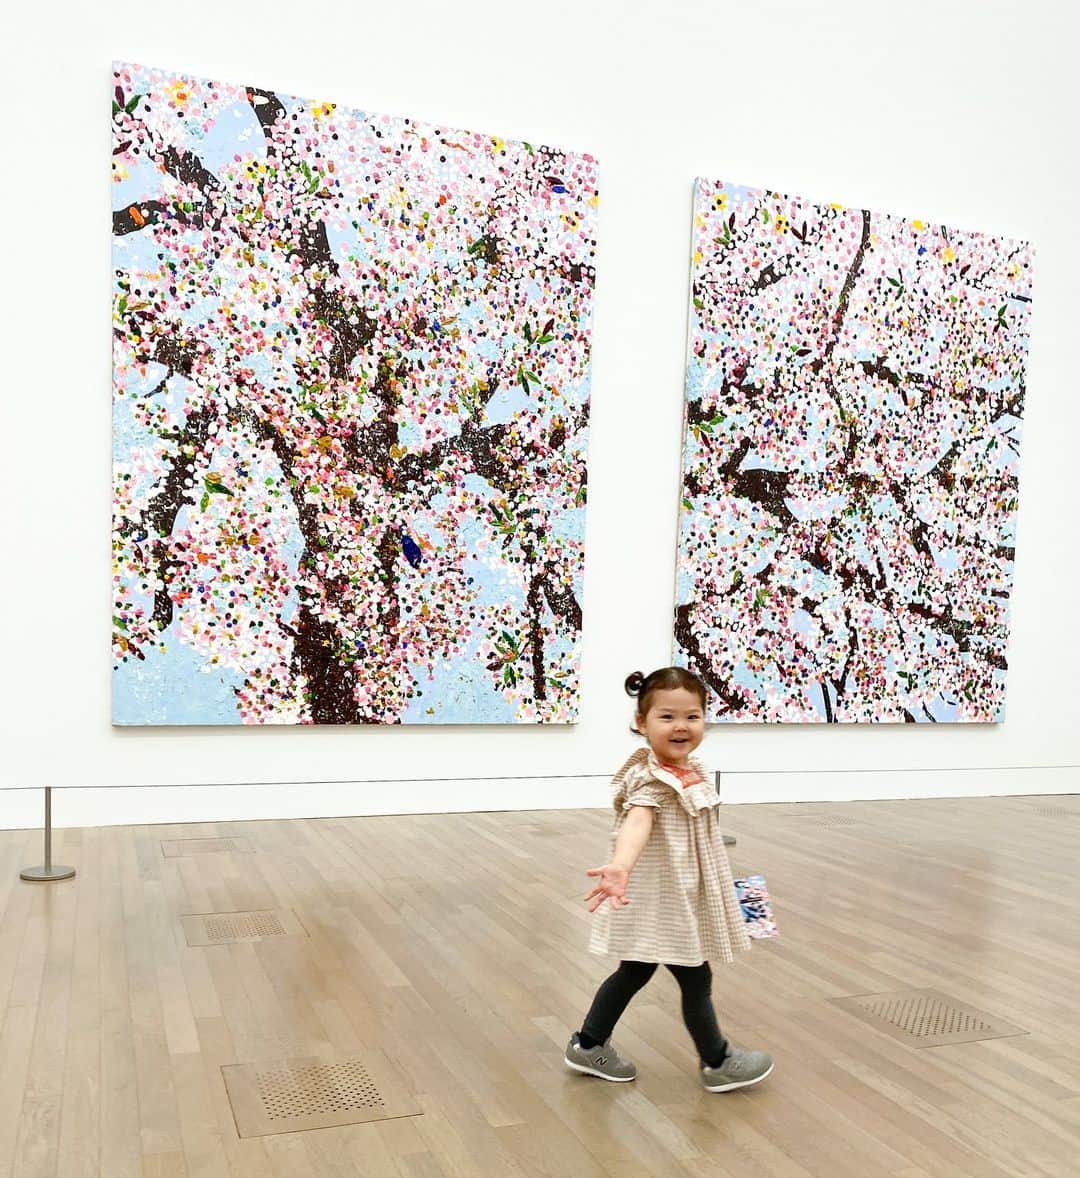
[175, 686]
[142, 182]
[235, 132]
[136, 252]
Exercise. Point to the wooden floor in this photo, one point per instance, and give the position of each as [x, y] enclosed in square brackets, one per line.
[456, 944]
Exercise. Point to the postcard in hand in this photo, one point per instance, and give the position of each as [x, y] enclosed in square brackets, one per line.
[756, 907]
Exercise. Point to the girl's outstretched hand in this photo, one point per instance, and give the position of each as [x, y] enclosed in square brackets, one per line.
[612, 886]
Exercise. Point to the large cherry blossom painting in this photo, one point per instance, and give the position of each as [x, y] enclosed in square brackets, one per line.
[855, 389]
[351, 378]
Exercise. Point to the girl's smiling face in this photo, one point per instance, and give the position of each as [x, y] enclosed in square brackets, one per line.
[674, 725]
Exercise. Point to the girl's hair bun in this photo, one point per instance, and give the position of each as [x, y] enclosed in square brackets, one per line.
[634, 683]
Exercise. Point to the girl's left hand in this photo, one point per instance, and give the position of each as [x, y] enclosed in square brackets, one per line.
[612, 886]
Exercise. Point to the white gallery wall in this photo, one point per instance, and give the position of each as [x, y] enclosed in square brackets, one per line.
[962, 113]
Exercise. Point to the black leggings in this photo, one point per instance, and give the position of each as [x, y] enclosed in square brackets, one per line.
[695, 982]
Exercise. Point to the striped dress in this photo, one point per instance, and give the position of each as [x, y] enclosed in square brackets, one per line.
[683, 909]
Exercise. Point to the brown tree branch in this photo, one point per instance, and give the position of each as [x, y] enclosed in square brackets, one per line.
[838, 684]
[561, 600]
[159, 518]
[331, 694]
[878, 368]
[962, 632]
[147, 213]
[536, 637]
[767, 488]
[849, 285]
[732, 699]
[184, 166]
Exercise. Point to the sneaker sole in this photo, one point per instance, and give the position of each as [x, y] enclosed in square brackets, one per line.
[738, 1083]
[593, 1072]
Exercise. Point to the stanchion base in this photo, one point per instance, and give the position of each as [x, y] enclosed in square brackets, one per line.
[729, 840]
[43, 875]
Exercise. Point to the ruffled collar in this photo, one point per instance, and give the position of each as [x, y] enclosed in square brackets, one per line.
[693, 766]
[644, 763]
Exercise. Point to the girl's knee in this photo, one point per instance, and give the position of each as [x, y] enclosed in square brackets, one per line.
[636, 972]
[693, 978]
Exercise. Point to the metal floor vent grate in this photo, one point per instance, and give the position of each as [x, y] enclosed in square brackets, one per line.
[926, 1018]
[826, 819]
[316, 1089]
[234, 928]
[285, 1096]
[175, 848]
[1056, 812]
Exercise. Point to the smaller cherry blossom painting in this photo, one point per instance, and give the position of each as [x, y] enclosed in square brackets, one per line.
[854, 396]
[351, 359]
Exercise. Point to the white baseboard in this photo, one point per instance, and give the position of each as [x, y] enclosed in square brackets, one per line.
[848, 785]
[23, 809]
[231, 803]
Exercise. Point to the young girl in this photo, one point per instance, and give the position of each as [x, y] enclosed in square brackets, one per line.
[684, 909]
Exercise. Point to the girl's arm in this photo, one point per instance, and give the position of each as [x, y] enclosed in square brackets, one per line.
[614, 876]
[633, 835]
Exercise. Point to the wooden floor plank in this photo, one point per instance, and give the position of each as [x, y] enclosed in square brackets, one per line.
[455, 944]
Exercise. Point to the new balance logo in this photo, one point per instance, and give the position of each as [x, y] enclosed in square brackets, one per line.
[601, 1059]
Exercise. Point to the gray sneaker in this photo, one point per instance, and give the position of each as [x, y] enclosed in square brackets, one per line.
[603, 1061]
[739, 1069]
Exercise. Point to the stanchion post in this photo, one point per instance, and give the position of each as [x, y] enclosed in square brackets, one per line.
[729, 839]
[47, 872]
